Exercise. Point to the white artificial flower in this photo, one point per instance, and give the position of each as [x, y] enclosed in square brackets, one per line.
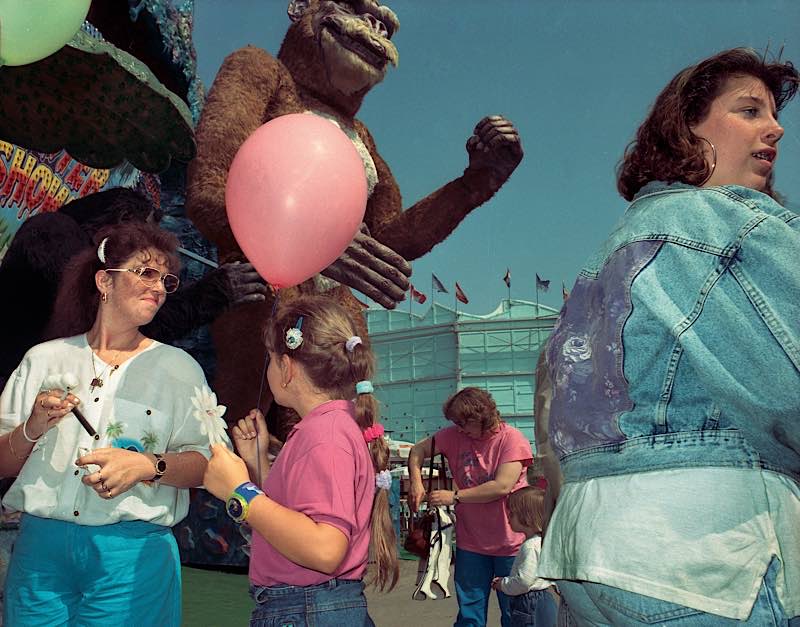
[51, 382]
[69, 380]
[66, 381]
[209, 414]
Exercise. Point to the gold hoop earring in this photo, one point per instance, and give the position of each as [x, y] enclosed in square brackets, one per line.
[713, 164]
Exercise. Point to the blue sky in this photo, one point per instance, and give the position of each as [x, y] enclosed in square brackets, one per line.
[576, 77]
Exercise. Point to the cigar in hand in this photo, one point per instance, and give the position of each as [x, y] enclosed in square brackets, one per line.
[85, 423]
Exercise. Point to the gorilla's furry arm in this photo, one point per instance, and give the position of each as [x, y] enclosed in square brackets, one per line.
[494, 152]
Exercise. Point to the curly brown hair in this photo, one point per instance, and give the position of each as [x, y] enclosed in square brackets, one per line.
[472, 405]
[665, 149]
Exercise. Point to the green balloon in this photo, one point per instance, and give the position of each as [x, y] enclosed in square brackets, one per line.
[34, 29]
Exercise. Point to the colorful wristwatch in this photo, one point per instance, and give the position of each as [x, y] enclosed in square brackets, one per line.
[238, 503]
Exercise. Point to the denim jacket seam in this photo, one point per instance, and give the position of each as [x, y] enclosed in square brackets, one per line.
[619, 365]
[767, 315]
[666, 387]
[677, 350]
[686, 242]
[725, 435]
[593, 273]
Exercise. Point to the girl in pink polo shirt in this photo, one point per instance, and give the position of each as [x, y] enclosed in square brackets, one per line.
[323, 504]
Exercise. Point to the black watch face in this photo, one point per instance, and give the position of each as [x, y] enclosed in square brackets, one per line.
[235, 508]
[161, 466]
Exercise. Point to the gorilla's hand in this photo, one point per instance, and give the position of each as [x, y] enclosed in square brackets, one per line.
[373, 269]
[241, 283]
[495, 145]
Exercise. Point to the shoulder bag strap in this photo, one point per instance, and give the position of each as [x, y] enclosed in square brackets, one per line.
[430, 468]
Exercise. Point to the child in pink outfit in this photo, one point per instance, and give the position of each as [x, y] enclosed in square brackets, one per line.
[323, 505]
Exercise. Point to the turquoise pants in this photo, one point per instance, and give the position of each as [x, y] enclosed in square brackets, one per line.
[62, 573]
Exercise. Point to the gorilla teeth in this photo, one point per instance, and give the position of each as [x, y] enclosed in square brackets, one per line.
[368, 54]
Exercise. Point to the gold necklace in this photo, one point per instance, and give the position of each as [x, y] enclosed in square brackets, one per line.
[97, 382]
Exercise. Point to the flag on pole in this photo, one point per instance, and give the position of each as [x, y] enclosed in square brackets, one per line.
[507, 278]
[417, 295]
[437, 284]
[564, 292]
[542, 284]
[460, 295]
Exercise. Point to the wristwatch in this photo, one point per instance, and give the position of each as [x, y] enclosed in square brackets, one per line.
[161, 466]
[238, 503]
[456, 500]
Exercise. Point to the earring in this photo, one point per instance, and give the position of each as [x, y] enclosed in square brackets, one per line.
[283, 385]
[713, 164]
[104, 297]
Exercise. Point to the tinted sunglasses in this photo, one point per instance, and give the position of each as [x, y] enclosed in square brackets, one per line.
[150, 276]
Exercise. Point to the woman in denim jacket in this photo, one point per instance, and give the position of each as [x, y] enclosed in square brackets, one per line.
[673, 374]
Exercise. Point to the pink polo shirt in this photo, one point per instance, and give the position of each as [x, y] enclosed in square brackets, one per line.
[324, 471]
[483, 527]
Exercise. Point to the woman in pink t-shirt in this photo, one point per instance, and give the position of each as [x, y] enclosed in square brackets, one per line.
[317, 514]
[487, 458]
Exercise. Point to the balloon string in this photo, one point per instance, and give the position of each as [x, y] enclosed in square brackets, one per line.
[261, 389]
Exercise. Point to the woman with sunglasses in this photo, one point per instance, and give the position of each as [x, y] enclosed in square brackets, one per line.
[105, 431]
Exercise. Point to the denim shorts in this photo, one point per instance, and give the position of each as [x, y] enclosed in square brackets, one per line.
[335, 603]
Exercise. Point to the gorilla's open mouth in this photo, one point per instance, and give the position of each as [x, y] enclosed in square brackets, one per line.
[371, 51]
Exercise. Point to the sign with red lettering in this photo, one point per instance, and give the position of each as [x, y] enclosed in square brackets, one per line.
[32, 182]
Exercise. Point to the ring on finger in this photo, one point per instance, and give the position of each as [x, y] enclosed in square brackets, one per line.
[108, 492]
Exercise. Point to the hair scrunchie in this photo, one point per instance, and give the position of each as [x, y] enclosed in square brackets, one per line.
[373, 432]
[352, 342]
[364, 387]
[383, 480]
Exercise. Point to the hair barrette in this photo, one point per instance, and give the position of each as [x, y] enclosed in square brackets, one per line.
[294, 336]
[101, 250]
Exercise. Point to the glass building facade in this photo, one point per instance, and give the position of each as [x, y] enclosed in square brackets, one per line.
[422, 360]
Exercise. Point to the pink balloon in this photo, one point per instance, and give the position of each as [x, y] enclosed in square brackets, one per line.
[295, 196]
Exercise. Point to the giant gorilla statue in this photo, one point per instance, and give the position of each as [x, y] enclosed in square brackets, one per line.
[333, 54]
